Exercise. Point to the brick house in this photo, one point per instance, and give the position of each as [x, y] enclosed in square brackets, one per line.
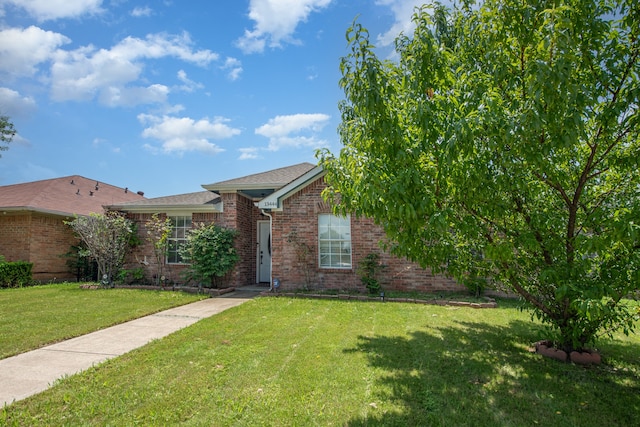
[286, 231]
[32, 219]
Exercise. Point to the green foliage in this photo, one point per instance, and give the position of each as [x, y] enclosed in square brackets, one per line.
[80, 263]
[106, 237]
[128, 277]
[7, 132]
[509, 130]
[369, 269]
[210, 251]
[15, 274]
[158, 232]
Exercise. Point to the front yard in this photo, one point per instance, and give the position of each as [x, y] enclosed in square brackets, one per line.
[281, 361]
[36, 316]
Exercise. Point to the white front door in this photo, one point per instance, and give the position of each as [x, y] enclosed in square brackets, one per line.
[264, 252]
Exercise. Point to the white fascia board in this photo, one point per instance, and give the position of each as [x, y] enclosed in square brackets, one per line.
[273, 202]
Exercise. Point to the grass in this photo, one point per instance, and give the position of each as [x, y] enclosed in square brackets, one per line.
[33, 317]
[281, 361]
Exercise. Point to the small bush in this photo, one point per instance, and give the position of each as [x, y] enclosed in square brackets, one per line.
[129, 277]
[15, 274]
[369, 269]
[210, 251]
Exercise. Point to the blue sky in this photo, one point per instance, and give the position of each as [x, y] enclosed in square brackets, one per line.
[164, 96]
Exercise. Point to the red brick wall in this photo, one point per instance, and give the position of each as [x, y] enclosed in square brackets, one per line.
[300, 215]
[15, 233]
[239, 214]
[41, 239]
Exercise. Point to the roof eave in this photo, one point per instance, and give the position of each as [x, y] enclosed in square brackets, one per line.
[231, 188]
[5, 209]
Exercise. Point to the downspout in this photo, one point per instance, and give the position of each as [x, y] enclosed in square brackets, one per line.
[265, 213]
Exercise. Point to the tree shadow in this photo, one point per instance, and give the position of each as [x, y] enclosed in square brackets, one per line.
[481, 374]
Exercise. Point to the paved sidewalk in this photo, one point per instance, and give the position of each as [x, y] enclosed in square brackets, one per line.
[29, 373]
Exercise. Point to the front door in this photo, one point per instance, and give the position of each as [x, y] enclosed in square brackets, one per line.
[264, 252]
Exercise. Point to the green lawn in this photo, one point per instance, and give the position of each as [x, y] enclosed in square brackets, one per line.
[36, 316]
[280, 361]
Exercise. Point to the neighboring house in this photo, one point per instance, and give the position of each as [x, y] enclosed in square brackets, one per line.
[286, 231]
[32, 219]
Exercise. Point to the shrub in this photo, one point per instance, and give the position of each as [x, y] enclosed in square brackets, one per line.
[210, 251]
[107, 238]
[369, 270]
[129, 277]
[15, 274]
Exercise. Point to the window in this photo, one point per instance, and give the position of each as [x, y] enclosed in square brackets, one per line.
[334, 238]
[179, 227]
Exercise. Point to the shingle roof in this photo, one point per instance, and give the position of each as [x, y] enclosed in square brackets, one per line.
[201, 200]
[70, 195]
[257, 185]
[274, 178]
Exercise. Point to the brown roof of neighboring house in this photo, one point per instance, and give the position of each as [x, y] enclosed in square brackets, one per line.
[69, 195]
[262, 184]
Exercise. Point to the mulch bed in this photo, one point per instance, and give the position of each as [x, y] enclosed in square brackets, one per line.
[188, 289]
[491, 303]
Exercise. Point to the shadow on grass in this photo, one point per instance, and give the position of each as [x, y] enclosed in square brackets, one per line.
[479, 374]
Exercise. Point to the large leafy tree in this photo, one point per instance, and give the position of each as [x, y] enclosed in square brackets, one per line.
[7, 132]
[503, 142]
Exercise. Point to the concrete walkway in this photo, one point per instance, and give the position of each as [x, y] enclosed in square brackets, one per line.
[29, 373]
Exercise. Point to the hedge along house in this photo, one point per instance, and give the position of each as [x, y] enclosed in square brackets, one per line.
[32, 219]
[286, 231]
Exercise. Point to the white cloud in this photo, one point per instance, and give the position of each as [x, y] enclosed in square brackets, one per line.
[43, 10]
[162, 45]
[22, 49]
[131, 96]
[248, 153]
[15, 105]
[295, 130]
[234, 67]
[275, 22]
[403, 11]
[141, 11]
[188, 85]
[182, 134]
[20, 140]
[87, 72]
[284, 125]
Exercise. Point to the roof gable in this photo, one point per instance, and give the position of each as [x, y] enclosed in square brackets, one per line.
[260, 185]
[274, 201]
[68, 196]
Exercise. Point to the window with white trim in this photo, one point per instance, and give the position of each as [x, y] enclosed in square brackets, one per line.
[334, 240]
[179, 227]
